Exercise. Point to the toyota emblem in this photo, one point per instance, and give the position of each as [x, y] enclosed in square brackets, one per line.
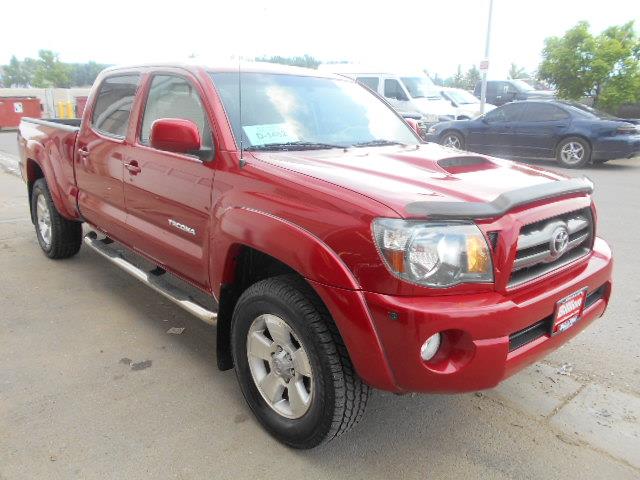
[559, 241]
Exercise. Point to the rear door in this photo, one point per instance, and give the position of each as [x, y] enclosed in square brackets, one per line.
[539, 129]
[494, 133]
[168, 195]
[101, 148]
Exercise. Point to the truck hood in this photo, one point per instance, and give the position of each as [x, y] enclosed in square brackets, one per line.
[400, 176]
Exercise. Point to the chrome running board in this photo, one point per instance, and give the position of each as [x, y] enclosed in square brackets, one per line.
[152, 279]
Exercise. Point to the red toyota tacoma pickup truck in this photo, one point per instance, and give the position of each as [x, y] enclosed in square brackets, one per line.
[335, 251]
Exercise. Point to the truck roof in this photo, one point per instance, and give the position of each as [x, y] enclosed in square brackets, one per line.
[246, 67]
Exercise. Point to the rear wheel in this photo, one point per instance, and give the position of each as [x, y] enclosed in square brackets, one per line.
[57, 236]
[573, 152]
[292, 366]
[453, 140]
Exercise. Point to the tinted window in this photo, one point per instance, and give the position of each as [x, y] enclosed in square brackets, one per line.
[491, 88]
[113, 106]
[371, 82]
[540, 112]
[507, 113]
[392, 89]
[174, 97]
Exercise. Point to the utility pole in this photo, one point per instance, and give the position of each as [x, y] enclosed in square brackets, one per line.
[484, 65]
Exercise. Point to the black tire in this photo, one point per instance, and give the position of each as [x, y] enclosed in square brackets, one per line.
[339, 396]
[584, 150]
[450, 137]
[65, 235]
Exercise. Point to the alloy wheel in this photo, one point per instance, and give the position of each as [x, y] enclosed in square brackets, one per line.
[572, 153]
[279, 366]
[43, 216]
[452, 141]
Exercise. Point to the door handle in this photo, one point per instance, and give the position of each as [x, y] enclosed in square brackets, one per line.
[133, 167]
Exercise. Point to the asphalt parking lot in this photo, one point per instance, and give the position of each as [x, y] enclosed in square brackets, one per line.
[93, 386]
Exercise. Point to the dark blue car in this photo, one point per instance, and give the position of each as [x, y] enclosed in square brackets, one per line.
[572, 133]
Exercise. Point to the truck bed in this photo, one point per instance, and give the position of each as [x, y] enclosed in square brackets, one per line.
[52, 142]
[55, 122]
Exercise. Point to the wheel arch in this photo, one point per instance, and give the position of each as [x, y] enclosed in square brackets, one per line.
[453, 130]
[249, 248]
[572, 135]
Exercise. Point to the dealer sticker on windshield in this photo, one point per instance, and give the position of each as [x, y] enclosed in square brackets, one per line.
[270, 133]
[568, 311]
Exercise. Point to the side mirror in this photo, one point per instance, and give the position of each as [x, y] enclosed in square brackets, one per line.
[175, 135]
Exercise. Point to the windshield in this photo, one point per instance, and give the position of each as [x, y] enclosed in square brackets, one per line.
[522, 85]
[421, 87]
[460, 97]
[289, 112]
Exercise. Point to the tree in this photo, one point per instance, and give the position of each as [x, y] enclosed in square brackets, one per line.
[306, 61]
[516, 72]
[51, 72]
[15, 74]
[84, 74]
[471, 78]
[606, 66]
[457, 80]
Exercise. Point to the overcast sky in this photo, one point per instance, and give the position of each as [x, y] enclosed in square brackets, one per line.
[436, 36]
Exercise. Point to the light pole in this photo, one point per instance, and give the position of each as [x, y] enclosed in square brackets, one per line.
[484, 65]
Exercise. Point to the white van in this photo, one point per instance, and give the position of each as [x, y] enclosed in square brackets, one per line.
[408, 93]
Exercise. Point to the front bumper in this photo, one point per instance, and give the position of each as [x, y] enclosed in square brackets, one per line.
[486, 337]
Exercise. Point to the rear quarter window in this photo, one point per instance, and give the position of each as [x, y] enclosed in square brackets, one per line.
[113, 105]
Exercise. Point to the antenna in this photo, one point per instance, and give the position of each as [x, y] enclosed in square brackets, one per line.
[242, 162]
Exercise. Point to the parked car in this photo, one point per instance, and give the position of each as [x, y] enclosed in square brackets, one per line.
[407, 92]
[332, 249]
[467, 105]
[572, 133]
[500, 92]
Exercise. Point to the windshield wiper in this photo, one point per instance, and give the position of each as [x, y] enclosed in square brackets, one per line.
[294, 146]
[377, 143]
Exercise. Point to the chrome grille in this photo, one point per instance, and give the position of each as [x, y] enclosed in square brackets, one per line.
[551, 244]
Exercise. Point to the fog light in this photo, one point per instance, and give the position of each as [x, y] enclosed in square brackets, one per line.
[430, 347]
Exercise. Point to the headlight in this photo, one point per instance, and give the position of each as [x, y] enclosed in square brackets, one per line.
[434, 254]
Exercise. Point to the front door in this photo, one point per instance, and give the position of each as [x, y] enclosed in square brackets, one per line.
[168, 195]
[494, 133]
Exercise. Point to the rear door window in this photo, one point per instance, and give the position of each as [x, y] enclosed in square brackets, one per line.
[540, 112]
[371, 82]
[113, 105]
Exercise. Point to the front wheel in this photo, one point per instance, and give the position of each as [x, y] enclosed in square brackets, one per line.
[292, 366]
[573, 152]
[452, 140]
